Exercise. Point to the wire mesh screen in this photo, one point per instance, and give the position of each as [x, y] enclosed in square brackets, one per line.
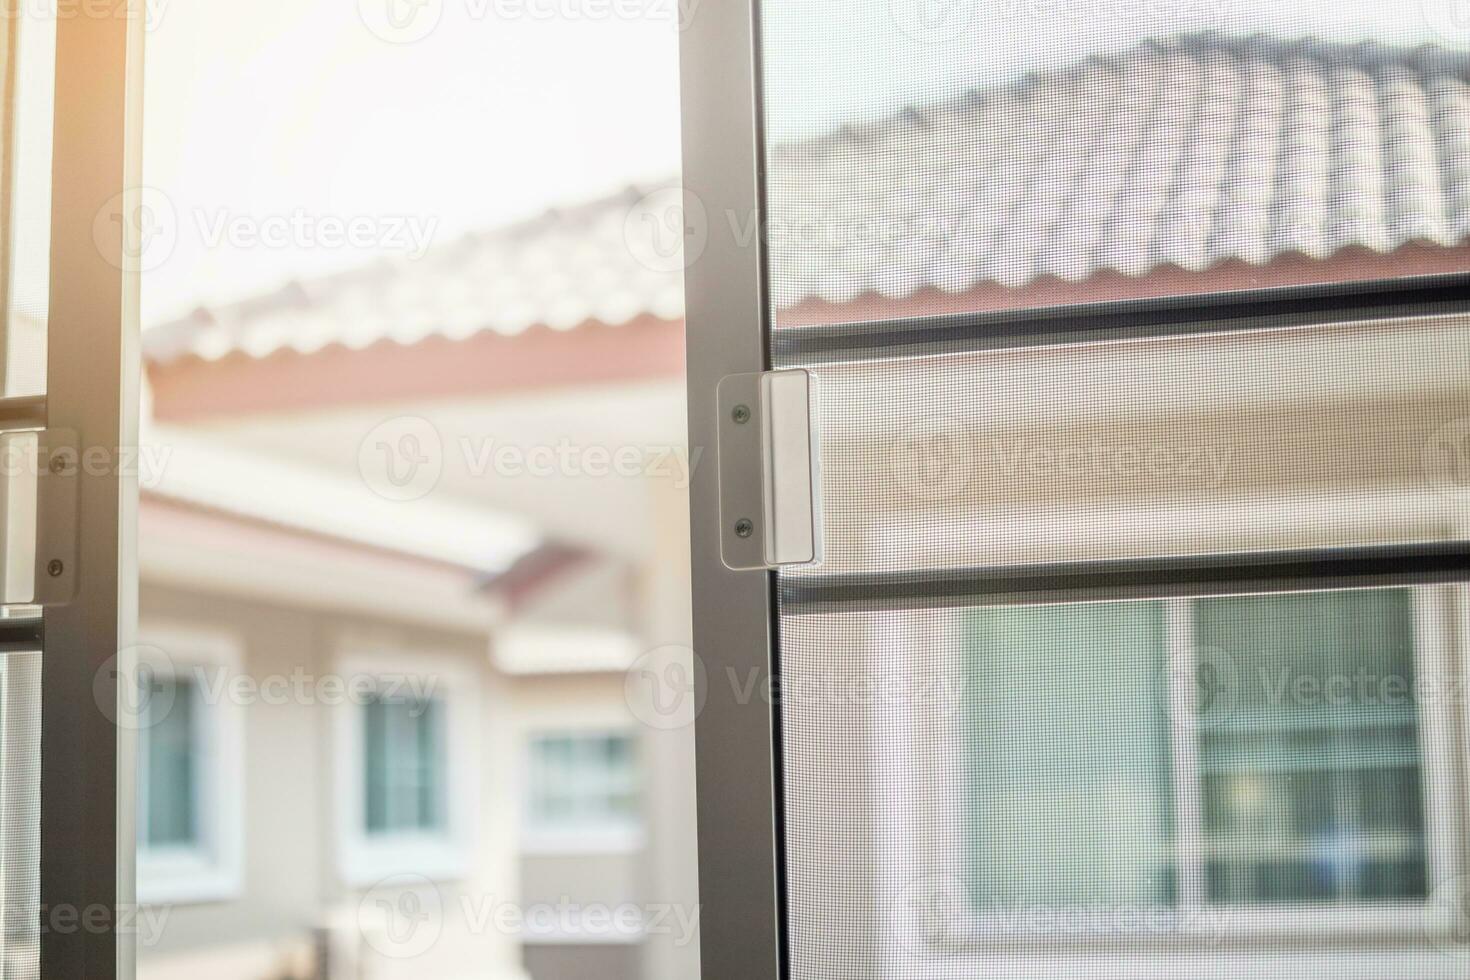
[1225, 785]
[1232, 787]
[20, 813]
[1003, 154]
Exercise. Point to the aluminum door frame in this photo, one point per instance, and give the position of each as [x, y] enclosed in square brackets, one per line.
[88, 906]
[740, 888]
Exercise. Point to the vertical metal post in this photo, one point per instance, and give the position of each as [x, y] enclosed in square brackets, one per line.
[92, 388]
[724, 310]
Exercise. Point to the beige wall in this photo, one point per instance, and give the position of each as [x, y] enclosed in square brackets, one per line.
[292, 883]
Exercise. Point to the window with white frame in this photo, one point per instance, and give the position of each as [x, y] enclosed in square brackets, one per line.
[405, 766]
[190, 770]
[170, 764]
[582, 790]
[1246, 753]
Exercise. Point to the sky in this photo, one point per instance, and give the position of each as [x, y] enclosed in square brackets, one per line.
[266, 120]
[292, 138]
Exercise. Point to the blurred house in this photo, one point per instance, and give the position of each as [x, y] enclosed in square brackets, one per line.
[471, 470]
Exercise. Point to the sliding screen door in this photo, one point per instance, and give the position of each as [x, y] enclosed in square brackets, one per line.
[68, 401]
[1138, 645]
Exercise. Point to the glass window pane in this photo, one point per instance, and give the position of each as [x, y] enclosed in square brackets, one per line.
[404, 762]
[582, 781]
[1068, 757]
[170, 795]
[1312, 777]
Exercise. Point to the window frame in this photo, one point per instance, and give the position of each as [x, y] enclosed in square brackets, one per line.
[1171, 939]
[1194, 916]
[213, 869]
[365, 858]
[606, 836]
[400, 730]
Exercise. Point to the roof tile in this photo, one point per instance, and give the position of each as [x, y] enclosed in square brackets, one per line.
[1188, 152]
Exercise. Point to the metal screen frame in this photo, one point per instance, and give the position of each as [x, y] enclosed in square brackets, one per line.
[740, 890]
[93, 365]
[735, 614]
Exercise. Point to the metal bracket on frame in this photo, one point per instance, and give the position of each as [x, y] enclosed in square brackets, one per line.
[60, 460]
[54, 513]
[770, 470]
